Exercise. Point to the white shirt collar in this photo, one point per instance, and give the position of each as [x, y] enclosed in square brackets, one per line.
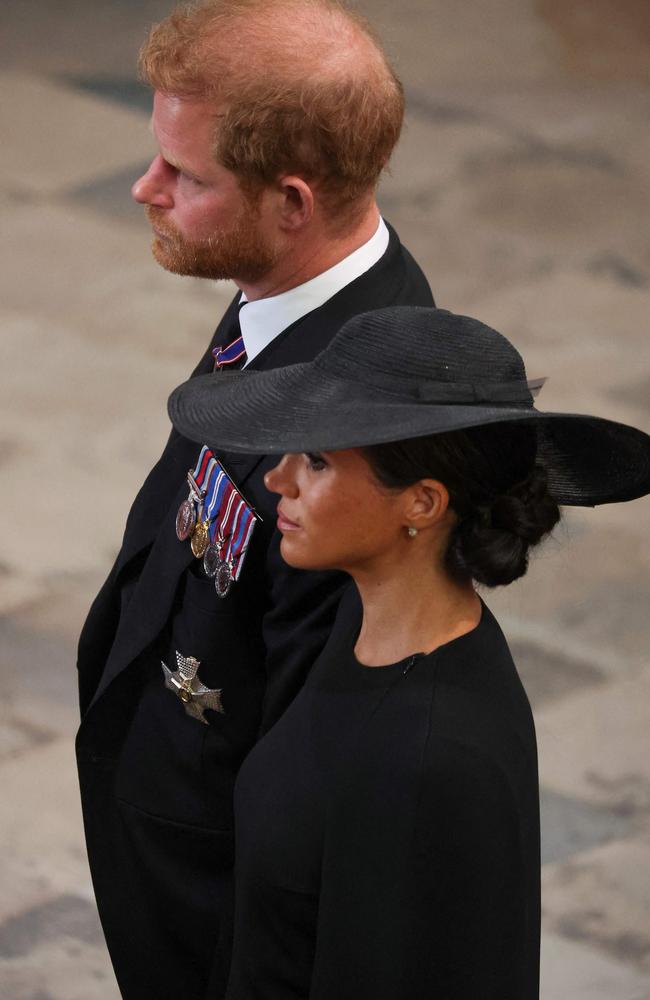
[262, 320]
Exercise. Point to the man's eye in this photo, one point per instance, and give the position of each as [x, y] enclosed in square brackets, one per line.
[189, 179]
[315, 461]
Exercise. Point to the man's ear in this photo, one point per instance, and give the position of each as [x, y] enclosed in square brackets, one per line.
[426, 504]
[296, 202]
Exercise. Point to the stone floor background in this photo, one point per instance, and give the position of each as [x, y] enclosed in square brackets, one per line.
[522, 186]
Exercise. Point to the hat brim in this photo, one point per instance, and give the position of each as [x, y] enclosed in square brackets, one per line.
[294, 409]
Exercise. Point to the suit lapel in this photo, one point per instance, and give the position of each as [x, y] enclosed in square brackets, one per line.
[149, 608]
[152, 503]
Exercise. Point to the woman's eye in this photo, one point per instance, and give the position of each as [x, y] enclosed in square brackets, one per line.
[315, 462]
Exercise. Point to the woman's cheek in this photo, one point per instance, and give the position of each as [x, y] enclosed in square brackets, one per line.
[302, 552]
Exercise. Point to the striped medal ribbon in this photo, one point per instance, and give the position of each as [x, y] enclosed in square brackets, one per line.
[191, 509]
[234, 534]
[223, 575]
[240, 539]
[228, 493]
[220, 490]
[200, 535]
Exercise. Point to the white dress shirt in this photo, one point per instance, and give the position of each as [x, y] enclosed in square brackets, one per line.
[263, 320]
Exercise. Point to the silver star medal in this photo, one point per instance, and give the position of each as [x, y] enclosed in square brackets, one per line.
[185, 683]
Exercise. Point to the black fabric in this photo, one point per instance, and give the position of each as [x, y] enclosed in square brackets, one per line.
[156, 785]
[388, 832]
[397, 373]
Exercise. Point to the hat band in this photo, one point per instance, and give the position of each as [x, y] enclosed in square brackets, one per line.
[470, 393]
[419, 388]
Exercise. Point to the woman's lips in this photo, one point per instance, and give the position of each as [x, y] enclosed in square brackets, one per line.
[284, 524]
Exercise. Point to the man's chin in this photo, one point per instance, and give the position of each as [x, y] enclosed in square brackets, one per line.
[177, 263]
[161, 255]
[251, 265]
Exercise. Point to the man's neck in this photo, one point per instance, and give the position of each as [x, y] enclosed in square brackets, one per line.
[312, 256]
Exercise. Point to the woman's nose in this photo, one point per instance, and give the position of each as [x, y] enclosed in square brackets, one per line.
[153, 187]
[280, 478]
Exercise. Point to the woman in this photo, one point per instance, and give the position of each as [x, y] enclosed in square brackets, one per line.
[388, 824]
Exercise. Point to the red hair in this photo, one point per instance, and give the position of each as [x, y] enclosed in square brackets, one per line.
[299, 86]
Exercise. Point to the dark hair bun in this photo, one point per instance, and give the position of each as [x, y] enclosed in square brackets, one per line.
[491, 544]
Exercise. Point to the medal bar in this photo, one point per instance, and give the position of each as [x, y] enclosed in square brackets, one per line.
[217, 520]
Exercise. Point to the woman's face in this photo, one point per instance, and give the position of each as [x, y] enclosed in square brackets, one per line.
[332, 513]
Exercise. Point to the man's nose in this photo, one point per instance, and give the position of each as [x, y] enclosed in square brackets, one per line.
[153, 188]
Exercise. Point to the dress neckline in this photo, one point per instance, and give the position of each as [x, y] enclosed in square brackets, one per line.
[404, 664]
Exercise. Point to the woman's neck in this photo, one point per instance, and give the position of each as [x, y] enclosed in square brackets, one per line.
[411, 606]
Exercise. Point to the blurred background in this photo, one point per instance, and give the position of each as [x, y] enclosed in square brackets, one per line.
[522, 187]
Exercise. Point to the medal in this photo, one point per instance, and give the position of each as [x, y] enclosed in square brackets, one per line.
[186, 515]
[185, 520]
[223, 579]
[223, 570]
[186, 684]
[237, 528]
[211, 559]
[189, 519]
[200, 539]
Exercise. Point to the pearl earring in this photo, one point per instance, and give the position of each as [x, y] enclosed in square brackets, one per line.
[412, 532]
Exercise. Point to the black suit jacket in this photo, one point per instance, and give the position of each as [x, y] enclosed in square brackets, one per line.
[156, 784]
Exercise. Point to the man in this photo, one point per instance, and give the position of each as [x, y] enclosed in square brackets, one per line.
[274, 120]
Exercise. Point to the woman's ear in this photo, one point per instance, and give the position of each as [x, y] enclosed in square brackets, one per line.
[296, 202]
[426, 504]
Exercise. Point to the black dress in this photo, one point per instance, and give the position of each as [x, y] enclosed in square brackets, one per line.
[388, 832]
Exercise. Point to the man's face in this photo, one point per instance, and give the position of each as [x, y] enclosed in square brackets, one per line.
[204, 224]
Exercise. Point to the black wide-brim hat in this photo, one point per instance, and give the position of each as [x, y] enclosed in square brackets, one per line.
[407, 372]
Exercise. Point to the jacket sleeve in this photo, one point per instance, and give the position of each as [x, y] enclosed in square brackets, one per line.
[477, 932]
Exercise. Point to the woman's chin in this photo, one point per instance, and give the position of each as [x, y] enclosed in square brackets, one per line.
[299, 556]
